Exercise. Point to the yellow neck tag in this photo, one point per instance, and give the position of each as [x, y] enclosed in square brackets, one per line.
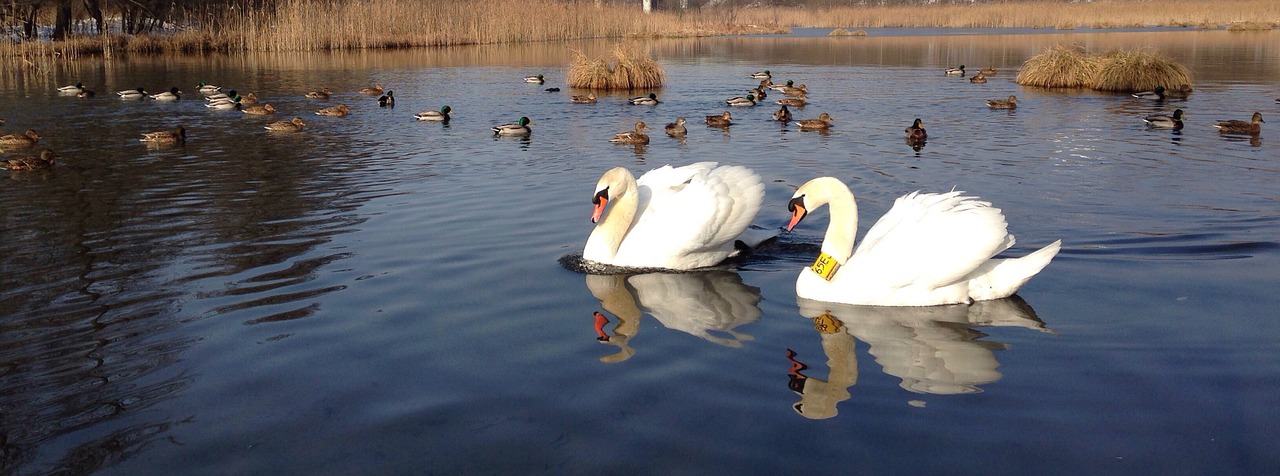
[825, 266]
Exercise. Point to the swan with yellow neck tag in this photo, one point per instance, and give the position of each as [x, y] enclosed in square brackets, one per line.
[929, 249]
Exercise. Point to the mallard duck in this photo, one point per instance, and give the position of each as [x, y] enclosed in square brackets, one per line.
[822, 122]
[85, 93]
[590, 98]
[798, 101]
[519, 128]
[45, 160]
[782, 115]
[978, 78]
[132, 93]
[759, 93]
[291, 125]
[440, 116]
[649, 100]
[206, 88]
[723, 120]
[1251, 127]
[632, 137]
[783, 87]
[376, 90]
[765, 84]
[1180, 92]
[340, 110]
[988, 71]
[1165, 121]
[173, 94]
[916, 131]
[742, 101]
[534, 79]
[677, 129]
[955, 71]
[761, 75]
[1155, 94]
[175, 136]
[25, 139]
[321, 94]
[800, 90]
[387, 100]
[73, 89]
[249, 100]
[552, 90]
[263, 110]
[225, 104]
[1011, 103]
[220, 95]
[796, 91]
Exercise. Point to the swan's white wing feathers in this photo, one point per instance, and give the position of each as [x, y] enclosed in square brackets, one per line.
[931, 240]
[693, 213]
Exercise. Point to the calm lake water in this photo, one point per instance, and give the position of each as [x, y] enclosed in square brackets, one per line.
[376, 295]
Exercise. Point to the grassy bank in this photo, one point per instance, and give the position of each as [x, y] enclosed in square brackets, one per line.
[313, 25]
[1035, 14]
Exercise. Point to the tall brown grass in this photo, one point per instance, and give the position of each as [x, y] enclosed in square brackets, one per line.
[1069, 67]
[310, 25]
[1060, 66]
[1031, 14]
[631, 69]
[1130, 71]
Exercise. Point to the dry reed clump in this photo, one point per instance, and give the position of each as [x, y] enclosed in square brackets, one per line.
[1070, 67]
[1130, 71]
[844, 32]
[632, 69]
[1060, 66]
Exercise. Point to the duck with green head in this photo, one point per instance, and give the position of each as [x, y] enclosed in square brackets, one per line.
[438, 116]
[1165, 121]
[519, 128]
[649, 100]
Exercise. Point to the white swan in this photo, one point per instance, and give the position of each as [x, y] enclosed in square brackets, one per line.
[929, 249]
[673, 217]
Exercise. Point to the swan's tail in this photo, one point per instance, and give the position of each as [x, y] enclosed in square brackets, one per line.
[1000, 278]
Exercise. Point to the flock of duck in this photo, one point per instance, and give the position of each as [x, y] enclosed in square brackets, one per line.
[928, 249]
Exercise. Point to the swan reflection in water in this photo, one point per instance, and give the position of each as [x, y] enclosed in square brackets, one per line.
[934, 350]
[709, 305]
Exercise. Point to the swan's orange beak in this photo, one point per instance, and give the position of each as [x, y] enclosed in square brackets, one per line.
[600, 322]
[600, 200]
[797, 211]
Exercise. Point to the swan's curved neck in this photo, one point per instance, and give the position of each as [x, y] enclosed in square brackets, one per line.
[613, 227]
[838, 242]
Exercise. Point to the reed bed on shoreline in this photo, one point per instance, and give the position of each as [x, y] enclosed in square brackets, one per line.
[1035, 14]
[318, 25]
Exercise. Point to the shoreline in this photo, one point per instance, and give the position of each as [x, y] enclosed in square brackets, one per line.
[332, 25]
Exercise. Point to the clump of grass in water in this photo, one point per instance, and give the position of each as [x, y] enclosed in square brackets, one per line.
[1249, 26]
[632, 69]
[1060, 66]
[844, 32]
[1129, 71]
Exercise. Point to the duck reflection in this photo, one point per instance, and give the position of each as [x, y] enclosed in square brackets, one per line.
[934, 350]
[709, 305]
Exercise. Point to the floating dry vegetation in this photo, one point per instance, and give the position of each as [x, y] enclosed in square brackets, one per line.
[844, 32]
[1063, 66]
[1060, 66]
[1128, 71]
[1249, 26]
[631, 69]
